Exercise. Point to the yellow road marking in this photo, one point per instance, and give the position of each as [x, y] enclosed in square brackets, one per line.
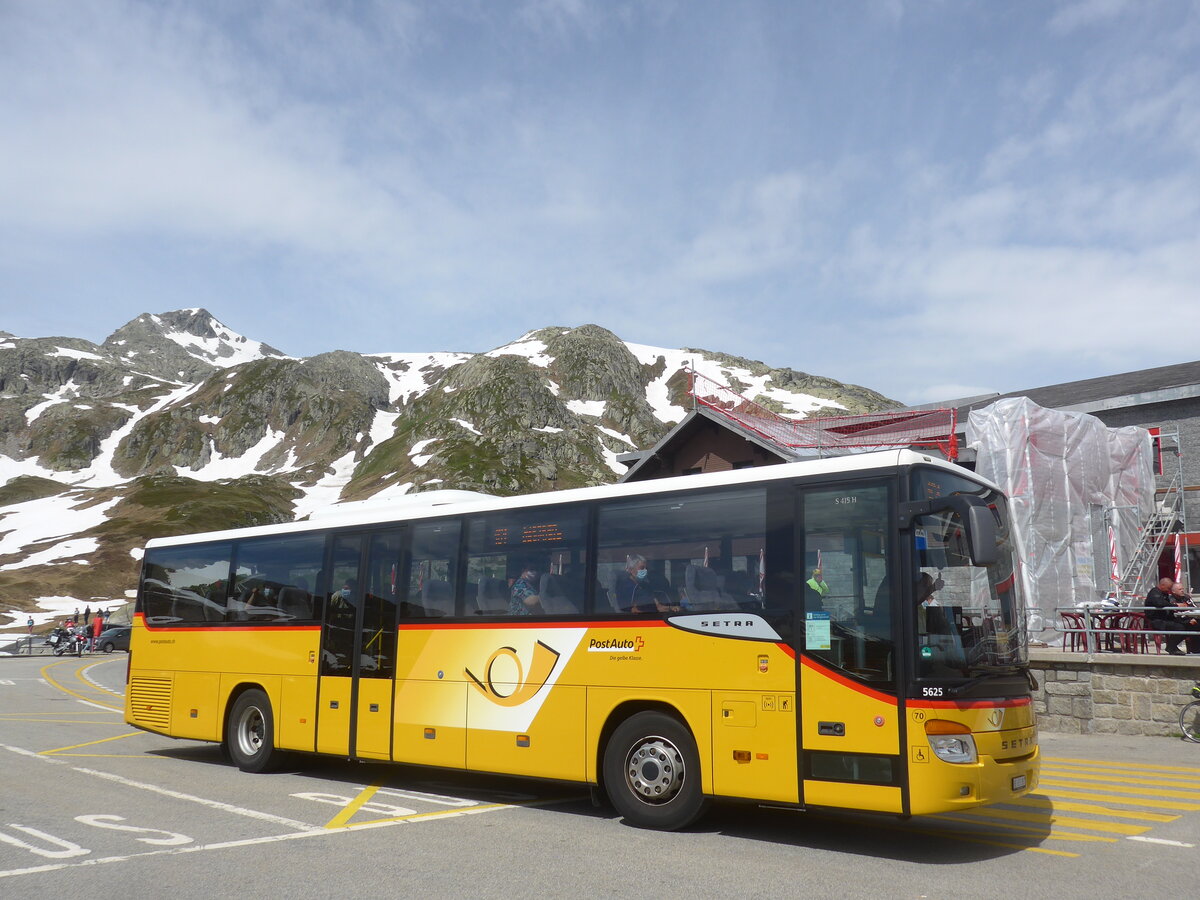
[1185, 780]
[433, 814]
[347, 813]
[1090, 808]
[1109, 762]
[1082, 776]
[1117, 789]
[1087, 824]
[92, 743]
[1129, 801]
[79, 673]
[53, 721]
[1052, 834]
[66, 690]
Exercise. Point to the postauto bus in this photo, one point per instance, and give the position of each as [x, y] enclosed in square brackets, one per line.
[669, 641]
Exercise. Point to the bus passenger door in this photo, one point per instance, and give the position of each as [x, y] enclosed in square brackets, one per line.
[375, 648]
[339, 637]
[850, 725]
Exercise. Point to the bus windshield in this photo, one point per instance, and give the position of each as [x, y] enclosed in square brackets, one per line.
[970, 619]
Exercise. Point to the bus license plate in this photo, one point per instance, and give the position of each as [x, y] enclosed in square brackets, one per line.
[1018, 783]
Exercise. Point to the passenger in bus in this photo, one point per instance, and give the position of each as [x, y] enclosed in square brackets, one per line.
[524, 599]
[817, 587]
[638, 591]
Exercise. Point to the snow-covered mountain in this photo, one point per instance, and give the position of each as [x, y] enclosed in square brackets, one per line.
[176, 423]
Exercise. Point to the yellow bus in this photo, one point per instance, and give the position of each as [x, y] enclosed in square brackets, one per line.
[842, 633]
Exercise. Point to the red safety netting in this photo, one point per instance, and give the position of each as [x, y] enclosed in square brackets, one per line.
[932, 428]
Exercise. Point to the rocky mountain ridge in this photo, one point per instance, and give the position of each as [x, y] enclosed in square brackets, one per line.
[176, 423]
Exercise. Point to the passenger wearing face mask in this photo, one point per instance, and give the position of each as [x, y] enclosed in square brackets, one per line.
[637, 592]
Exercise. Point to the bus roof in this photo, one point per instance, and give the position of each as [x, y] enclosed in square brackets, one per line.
[431, 504]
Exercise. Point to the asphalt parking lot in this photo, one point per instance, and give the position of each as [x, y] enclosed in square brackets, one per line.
[90, 807]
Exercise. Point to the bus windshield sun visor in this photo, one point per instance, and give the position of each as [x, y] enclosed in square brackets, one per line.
[975, 513]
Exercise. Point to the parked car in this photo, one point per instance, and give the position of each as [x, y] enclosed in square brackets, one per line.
[116, 638]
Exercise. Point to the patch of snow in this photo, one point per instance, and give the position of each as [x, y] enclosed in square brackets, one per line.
[657, 393]
[137, 553]
[226, 349]
[76, 354]
[328, 489]
[624, 438]
[553, 386]
[82, 406]
[220, 467]
[46, 519]
[52, 609]
[610, 459]
[210, 420]
[587, 407]
[383, 426]
[467, 425]
[417, 456]
[533, 350]
[417, 379]
[60, 551]
[549, 429]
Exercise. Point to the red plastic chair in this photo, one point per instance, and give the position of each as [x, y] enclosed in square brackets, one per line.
[1134, 639]
[1073, 628]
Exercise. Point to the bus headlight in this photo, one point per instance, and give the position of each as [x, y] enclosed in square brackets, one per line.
[951, 741]
[954, 748]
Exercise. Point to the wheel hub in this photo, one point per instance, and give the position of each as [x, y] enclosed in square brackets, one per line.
[654, 771]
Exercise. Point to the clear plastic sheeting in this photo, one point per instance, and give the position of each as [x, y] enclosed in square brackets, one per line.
[1069, 478]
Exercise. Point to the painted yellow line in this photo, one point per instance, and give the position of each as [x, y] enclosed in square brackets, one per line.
[347, 813]
[1128, 801]
[1112, 779]
[442, 813]
[1052, 834]
[92, 743]
[1113, 762]
[45, 673]
[57, 721]
[1039, 803]
[1117, 789]
[1188, 780]
[110, 755]
[81, 673]
[1086, 824]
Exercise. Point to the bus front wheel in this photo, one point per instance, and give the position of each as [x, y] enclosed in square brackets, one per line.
[250, 733]
[652, 772]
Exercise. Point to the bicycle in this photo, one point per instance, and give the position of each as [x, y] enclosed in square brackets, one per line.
[1189, 717]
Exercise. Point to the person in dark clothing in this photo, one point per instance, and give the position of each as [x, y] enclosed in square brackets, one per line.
[1187, 617]
[1160, 614]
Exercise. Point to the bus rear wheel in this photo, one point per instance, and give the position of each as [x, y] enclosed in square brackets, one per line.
[652, 772]
[250, 733]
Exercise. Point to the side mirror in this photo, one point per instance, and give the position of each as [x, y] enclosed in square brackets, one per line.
[976, 516]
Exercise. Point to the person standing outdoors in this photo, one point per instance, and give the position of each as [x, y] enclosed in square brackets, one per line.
[97, 627]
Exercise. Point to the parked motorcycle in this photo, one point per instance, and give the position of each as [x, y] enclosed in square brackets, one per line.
[64, 641]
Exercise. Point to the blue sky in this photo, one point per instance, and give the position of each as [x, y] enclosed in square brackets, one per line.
[932, 199]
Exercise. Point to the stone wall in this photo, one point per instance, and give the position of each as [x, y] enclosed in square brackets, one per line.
[1113, 693]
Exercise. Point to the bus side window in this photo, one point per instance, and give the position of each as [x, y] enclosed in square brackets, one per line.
[186, 584]
[433, 566]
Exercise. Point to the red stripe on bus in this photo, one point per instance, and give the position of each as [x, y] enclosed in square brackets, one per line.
[846, 682]
[426, 625]
[967, 704]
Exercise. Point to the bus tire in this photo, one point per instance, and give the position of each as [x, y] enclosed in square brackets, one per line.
[250, 733]
[652, 772]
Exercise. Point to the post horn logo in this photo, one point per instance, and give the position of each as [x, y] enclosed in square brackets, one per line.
[544, 660]
[996, 717]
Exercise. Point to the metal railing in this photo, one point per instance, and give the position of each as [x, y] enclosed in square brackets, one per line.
[1098, 637]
